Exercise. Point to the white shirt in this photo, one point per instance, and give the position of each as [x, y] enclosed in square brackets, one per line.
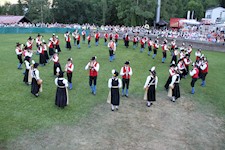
[68, 68]
[55, 58]
[203, 66]
[148, 79]
[114, 45]
[126, 67]
[174, 78]
[110, 82]
[94, 67]
[198, 54]
[63, 80]
[27, 64]
[193, 72]
[18, 51]
[36, 76]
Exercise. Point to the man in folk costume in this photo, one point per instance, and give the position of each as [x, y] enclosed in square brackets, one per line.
[110, 36]
[174, 55]
[181, 68]
[155, 48]
[29, 43]
[61, 96]
[182, 54]
[189, 50]
[114, 84]
[42, 59]
[116, 37]
[50, 48]
[106, 38]
[38, 40]
[175, 85]
[112, 49]
[204, 71]
[171, 73]
[36, 81]
[164, 50]
[89, 40]
[150, 86]
[55, 59]
[127, 39]
[142, 42]
[187, 62]
[135, 42]
[150, 44]
[74, 37]
[69, 71]
[83, 33]
[93, 67]
[44, 46]
[27, 52]
[27, 66]
[173, 46]
[78, 40]
[194, 73]
[198, 54]
[56, 43]
[19, 53]
[67, 39]
[97, 36]
[126, 72]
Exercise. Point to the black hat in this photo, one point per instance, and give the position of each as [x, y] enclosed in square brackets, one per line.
[36, 65]
[61, 74]
[38, 34]
[152, 70]
[93, 58]
[115, 73]
[18, 44]
[127, 62]
[30, 38]
[27, 58]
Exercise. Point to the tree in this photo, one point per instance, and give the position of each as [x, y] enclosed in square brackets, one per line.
[197, 7]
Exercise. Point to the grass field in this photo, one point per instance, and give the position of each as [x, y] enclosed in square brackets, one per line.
[22, 113]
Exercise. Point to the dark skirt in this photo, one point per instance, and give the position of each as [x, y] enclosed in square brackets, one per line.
[58, 48]
[46, 55]
[68, 45]
[168, 82]
[151, 93]
[34, 86]
[25, 79]
[176, 91]
[61, 97]
[42, 59]
[55, 66]
[51, 51]
[115, 96]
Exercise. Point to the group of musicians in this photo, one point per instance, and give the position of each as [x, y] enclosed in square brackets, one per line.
[179, 68]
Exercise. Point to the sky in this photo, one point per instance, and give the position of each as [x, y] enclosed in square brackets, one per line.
[2, 2]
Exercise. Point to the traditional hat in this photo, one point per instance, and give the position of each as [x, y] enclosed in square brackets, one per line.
[53, 34]
[152, 70]
[36, 65]
[93, 58]
[115, 73]
[18, 44]
[30, 38]
[61, 74]
[127, 62]
[38, 34]
[69, 59]
[27, 58]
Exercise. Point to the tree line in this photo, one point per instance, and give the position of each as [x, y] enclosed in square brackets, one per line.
[106, 12]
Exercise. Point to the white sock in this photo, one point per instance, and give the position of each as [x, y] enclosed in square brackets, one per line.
[116, 107]
[112, 107]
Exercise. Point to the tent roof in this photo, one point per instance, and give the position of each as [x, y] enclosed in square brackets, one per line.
[162, 23]
[13, 19]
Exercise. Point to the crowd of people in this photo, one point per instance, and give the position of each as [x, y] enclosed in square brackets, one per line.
[48, 51]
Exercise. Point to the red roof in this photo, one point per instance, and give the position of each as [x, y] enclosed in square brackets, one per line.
[12, 19]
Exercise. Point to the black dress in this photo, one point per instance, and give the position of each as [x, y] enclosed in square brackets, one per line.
[115, 95]
[176, 89]
[34, 86]
[151, 90]
[61, 94]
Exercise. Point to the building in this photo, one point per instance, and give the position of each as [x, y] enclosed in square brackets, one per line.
[8, 19]
[215, 14]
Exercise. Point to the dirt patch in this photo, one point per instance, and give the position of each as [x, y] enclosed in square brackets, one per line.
[165, 125]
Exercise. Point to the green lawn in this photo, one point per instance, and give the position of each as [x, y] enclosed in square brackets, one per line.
[22, 112]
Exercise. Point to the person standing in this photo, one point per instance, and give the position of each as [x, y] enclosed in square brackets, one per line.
[78, 40]
[150, 43]
[50, 48]
[42, 59]
[116, 37]
[19, 53]
[114, 84]
[45, 51]
[67, 39]
[150, 86]
[27, 66]
[83, 35]
[89, 40]
[36, 81]
[69, 70]
[126, 72]
[135, 42]
[175, 85]
[142, 42]
[204, 71]
[93, 67]
[175, 52]
[74, 37]
[156, 46]
[127, 39]
[198, 54]
[56, 43]
[97, 36]
[164, 50]
[194, 73]
[187, 62]
[61, 96]
[171, 74]
[29, 43]
[55, 59]
[112, 49]
[105, 38]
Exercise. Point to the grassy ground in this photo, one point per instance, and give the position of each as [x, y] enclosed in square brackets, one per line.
[21, 112]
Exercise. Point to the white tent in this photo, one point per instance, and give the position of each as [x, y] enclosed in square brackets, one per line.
[190, 22]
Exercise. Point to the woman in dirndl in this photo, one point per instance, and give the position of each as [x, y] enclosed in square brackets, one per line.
[150, 86]
[36, 81]
[61, 97]
[175, 85]
[27, 65]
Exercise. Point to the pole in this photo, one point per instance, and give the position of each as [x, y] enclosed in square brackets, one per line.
[158, 11]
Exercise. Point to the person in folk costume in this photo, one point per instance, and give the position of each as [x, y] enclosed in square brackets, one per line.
[182, 47]
[93, 67]
[124, 36]
[69, 71]
[55, 59]
[50, 48]
[89, 40]
[142, 42]
[189, 50]
[27, 52]
[182, 54]
[112, 49]
[151, 85]
[150, 44]
[181, 68]
[116, 37]
[42, 59]
[114, 84]
[127, 39]
[27, 66]
[19, 53]
[175, 85]
[45, 48]
[155, 48]
[97, 36]
[146, 39]
[110, 36]
[174, 55]
[106, 38]
[78, 40]
[135, 42]
[187, 62]
[61, 96]
[126, 72]
[83, 33]
[56, 43]
[194, 73]
[74, 37]
[164, 50]
[29, 43]
[198, 54]
[67, 39]
[171, 73]
[204, 71]
[138, 38]
[173, 46]
[38, 41]
[36, 81]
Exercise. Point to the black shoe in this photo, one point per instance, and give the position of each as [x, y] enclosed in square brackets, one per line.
[36, 95]
[126, 96]
[112, 109]
[117, 108]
